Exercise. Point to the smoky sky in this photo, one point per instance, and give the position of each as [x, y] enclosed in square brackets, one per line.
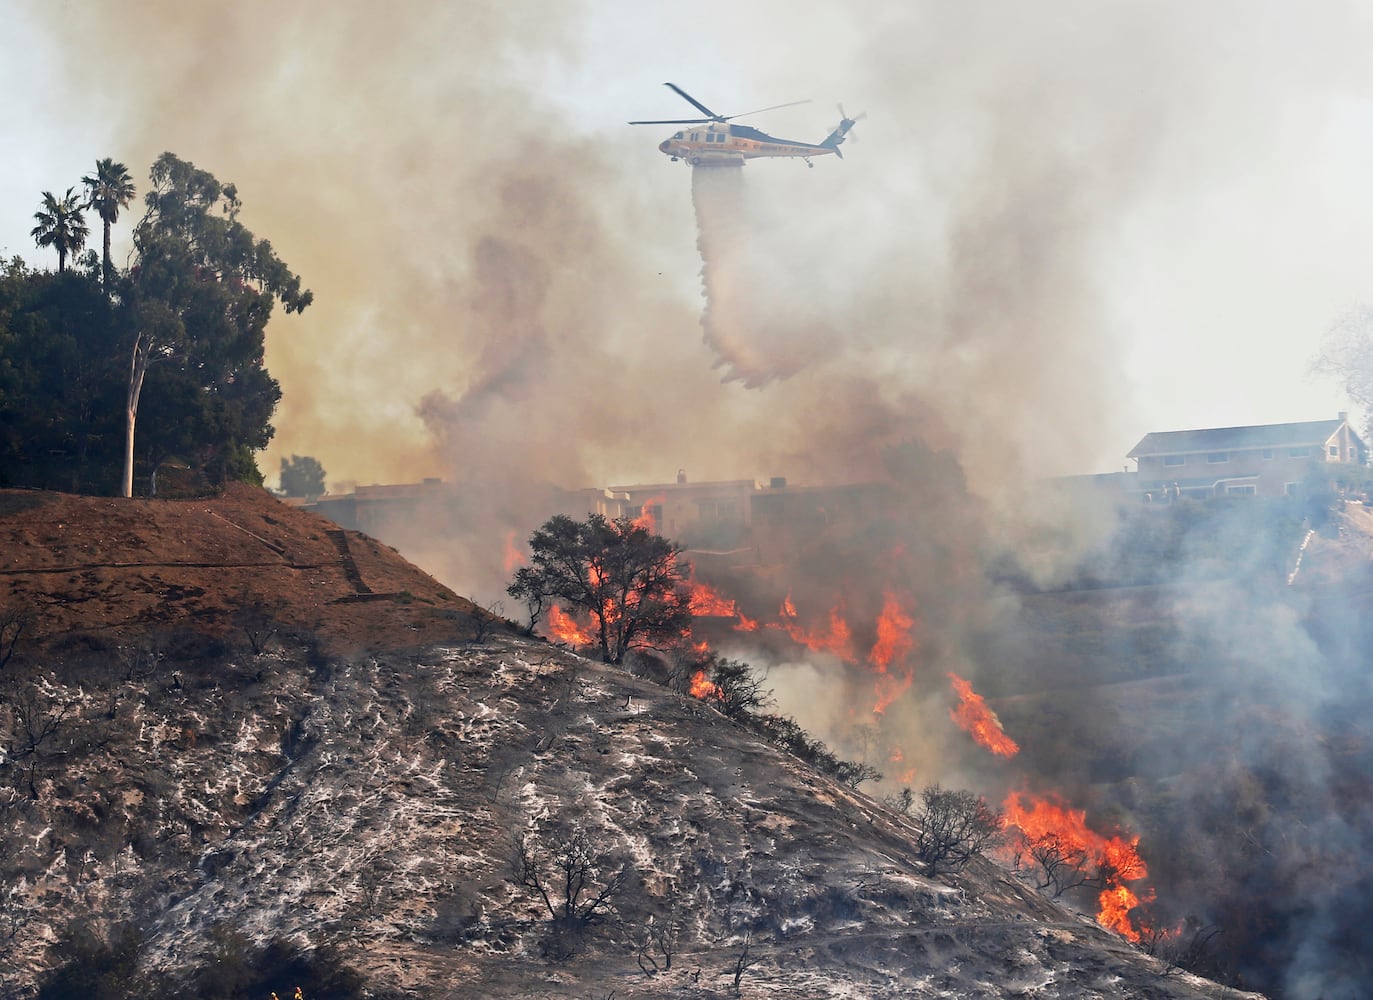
[468, 236]
[513, 288]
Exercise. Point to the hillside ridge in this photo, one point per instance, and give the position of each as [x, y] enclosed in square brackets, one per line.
[363, 782]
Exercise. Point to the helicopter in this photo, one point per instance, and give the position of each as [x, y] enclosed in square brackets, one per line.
[718, 143]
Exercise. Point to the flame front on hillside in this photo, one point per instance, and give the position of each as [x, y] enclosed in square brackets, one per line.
[1115, 860]
[892, 657]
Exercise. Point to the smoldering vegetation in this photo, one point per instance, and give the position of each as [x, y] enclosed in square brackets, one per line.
[1188, 687]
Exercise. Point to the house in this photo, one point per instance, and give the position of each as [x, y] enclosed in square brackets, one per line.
[1264, 459]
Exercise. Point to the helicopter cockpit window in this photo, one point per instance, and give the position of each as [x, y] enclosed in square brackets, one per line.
[678, 135]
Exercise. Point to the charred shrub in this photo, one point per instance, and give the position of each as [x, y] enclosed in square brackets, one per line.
[457, 918]
[14, 621]
[576, 883]
[955, 827]
[786, 734]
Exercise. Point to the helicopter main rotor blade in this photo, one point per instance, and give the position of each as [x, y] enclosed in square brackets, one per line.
[789, 104]
[676, 121]
[695, 103]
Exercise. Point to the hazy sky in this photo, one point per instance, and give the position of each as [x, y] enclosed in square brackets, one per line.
[1062, 225]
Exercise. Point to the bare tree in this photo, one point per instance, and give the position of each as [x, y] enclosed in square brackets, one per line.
[955, 826]
[13, 622]
[1056, 866]
[731, 686]
[1186, 949]
[851, 774]
[658, 941]
[37, 714]
[486, 620]
[575, 884]
[534, 604]
[140, 660]
[254, 619]
[743, 961]
[901, 802]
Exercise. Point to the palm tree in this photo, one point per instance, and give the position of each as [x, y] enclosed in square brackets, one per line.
[108, 190]
[60, 225]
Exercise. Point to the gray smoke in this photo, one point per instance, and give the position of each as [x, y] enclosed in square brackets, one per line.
[506, 288]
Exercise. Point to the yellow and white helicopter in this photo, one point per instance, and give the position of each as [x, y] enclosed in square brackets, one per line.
[714, 142]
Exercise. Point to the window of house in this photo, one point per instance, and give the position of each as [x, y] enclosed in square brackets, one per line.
[1267, 454]
[1291, 489]
[1246, 490]
[1299, 452]
[717, 510]
[1334, 451]
[1217, 457]
[1174, 459]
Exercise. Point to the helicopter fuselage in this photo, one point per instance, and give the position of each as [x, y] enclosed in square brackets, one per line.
[720, 144]
[712, 141]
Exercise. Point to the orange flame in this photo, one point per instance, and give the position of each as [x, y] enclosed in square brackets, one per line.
[646, 519]
[893, 634]
[702, 686]
[565, 628]
[894, 643]
[1044, 817]
[890, 687]
[746, 624]
[836, 639]
[706, 601]
[975, 718]
[514, 558]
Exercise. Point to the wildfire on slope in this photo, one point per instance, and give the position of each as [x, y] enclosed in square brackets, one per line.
[892, 658]
[566, 629]
[834, 637]
[975, 718]
[890, 652]
[706, 601]
[703, 687]
[1115, 860]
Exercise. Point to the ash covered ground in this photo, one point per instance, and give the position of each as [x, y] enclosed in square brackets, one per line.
[344, 786]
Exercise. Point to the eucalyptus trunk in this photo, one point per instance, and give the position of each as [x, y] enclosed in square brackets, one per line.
[142, 348]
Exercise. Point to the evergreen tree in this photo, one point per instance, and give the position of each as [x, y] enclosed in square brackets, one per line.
[627, 579]
[201, 293]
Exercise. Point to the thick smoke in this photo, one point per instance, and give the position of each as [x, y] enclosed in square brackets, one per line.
[506, 290]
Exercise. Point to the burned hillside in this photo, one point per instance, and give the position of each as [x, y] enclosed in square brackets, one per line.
[367, 779]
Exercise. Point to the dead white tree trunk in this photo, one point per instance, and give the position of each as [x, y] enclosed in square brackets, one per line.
[142, 348]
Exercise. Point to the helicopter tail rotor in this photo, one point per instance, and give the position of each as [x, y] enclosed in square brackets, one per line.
[841, 131]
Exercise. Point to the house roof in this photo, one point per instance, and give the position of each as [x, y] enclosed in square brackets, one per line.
[1308, 432]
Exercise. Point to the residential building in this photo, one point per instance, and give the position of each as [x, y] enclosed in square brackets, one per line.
[1262, 459]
